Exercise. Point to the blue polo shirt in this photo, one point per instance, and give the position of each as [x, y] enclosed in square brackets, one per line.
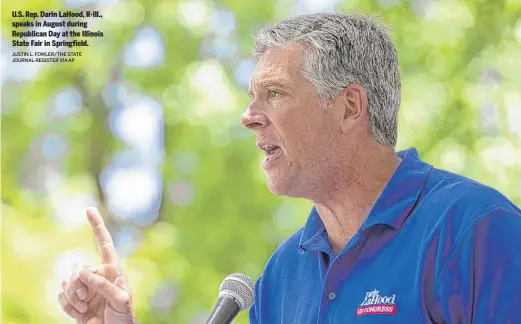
[435, 248]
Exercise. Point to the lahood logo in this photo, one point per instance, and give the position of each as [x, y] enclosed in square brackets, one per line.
[376, 304]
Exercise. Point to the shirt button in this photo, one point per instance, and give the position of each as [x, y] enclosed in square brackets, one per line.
[332, 296]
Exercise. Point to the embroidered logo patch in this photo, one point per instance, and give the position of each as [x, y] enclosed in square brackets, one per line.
[374, 304]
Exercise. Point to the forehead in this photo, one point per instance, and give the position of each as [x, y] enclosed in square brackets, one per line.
[281, 64]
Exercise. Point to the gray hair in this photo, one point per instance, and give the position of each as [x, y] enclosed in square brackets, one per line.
[341, 49]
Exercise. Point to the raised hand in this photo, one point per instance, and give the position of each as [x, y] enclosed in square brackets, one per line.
[98, 295]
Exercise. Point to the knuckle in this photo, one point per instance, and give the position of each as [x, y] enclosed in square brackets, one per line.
[62, 299]
[68, 309]
[90, 267]
[65, 306]
[69, 291]
[71, 296]
[123, 299]
[76, 283]
[98, 282]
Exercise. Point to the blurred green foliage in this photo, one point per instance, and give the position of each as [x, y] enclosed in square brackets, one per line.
[461, 107]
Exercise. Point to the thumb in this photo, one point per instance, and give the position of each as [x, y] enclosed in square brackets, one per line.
[118, 298]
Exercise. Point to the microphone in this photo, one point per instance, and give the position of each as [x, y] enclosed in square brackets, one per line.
[235, 295]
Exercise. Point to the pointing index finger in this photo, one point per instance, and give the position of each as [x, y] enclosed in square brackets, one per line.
[103, 239]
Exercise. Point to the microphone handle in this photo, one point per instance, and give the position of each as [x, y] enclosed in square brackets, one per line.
[224, 311]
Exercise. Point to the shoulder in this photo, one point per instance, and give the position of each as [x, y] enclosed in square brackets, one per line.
[455, 209]
[465, 190]
[286, 252]
[283, 262]
[279, 267]
[461, 201]
[480, 259]
[272, 285]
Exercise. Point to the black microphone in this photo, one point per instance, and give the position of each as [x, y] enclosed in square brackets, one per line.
[235, 295]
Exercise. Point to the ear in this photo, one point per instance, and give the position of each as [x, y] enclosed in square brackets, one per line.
[354, 101]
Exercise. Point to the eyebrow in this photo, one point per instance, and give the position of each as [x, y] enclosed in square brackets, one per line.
[265, 83]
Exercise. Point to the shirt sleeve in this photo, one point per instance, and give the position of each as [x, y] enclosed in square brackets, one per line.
[481, 283]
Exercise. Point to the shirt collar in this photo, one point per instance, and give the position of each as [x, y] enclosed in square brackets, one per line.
[396, 202]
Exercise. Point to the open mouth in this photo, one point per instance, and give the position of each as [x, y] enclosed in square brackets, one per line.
[271, 151]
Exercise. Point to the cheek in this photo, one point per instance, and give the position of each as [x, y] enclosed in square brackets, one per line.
[320, 137]
[302, 127]
[295, 114]
[297, 131]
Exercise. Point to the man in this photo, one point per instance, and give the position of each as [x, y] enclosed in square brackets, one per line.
[390, 238]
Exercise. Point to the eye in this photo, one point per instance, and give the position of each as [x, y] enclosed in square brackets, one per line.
[274, 94]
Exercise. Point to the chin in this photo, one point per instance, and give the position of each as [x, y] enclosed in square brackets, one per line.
[278, 192]
[284, 181]
[277, 186]
[283, 187]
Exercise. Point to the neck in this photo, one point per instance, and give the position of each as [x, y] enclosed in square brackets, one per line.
[351, 193]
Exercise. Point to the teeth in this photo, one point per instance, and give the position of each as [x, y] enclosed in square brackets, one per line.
[269, 149]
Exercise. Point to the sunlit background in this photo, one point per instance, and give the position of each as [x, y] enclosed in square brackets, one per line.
[146, 127]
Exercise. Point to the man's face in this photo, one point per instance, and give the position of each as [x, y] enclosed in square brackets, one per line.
[296, 132]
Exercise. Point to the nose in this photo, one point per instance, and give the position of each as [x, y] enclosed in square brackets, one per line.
[253, 120]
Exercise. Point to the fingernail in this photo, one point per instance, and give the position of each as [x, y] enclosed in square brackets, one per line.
[81, 293]
[82, 307]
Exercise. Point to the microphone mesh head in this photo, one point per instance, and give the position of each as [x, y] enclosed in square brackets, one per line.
[240, 286]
